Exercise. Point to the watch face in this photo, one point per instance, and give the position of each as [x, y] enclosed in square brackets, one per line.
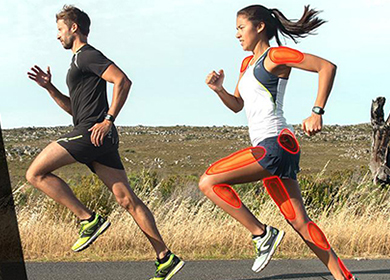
[109, 117]
[318, 110]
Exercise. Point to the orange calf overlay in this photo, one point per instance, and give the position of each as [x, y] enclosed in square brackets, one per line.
[288, 142]
[318, 236]
[278, 193]
[347, 274]
[245, 63]
[227, 194]
[283, 55]
[237, 160]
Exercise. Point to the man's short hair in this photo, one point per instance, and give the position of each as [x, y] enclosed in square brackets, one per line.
[70, 14]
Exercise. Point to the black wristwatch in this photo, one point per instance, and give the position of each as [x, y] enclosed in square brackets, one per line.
[110, 118]
[318, 110]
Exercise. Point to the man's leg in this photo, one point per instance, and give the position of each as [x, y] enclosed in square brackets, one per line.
[116, 181]
[39, 175]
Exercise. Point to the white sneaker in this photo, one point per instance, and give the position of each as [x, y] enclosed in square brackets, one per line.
[265, 247]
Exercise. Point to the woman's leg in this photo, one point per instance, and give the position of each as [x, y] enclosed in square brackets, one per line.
[242, 167]
[311, 234]
[213, 186]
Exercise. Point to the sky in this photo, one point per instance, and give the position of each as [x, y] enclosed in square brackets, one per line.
[167, 48]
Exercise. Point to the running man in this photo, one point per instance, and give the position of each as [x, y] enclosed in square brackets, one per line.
[94, 140]
[275, 155]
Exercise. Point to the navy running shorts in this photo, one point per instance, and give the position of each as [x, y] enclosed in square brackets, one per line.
[78, 144]
[278, 161]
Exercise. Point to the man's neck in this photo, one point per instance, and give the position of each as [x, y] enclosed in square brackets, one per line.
[78, 44]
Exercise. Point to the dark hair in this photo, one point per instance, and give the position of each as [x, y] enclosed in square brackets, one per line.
[70, 14]
[275, 21]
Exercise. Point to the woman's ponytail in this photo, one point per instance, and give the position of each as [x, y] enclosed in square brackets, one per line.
[275, 22]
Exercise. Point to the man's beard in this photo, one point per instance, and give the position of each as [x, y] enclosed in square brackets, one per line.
[68, 42]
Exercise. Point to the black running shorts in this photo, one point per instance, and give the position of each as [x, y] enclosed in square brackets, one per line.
[78, 144]
[278, 161]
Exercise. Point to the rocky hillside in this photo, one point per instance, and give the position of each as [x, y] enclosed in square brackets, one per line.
[186, 149]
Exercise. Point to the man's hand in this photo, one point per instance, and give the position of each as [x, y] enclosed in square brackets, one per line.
[99, 131]
[312, 124]
[43, 79]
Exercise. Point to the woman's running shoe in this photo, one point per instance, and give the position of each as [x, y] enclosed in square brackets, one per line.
[265, 247]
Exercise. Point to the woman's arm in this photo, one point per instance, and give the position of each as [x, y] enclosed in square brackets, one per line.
[326, 74]
[234, 102]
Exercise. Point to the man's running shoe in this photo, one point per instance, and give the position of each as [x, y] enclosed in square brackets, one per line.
[89, 231]
[165, 271]
[265, 247]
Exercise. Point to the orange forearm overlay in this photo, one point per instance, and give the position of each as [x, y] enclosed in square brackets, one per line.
[288, 142]
[318, 236]
[278, 193]
[283, 55]
[237, 160]
[245, 63]
[347, 274]
[227, 194]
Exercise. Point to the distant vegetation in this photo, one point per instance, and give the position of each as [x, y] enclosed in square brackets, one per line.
[163, 166]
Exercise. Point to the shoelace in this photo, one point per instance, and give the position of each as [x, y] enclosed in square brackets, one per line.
[81, 229]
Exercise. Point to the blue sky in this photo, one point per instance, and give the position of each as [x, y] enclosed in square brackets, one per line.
[168, 47]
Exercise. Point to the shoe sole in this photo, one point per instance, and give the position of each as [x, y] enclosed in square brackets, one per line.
[175, 270]
[279, 239]
[93, 238]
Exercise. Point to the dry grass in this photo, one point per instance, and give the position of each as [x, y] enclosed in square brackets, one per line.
[356, 222]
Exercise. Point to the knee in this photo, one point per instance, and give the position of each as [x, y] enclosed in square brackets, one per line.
[31, 176]
[299, 225]
[205, 184]
[127, 203]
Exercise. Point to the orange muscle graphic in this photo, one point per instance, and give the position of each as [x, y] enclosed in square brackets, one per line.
[237, 160]
[227, 194]
[278, 193]
[283, 55]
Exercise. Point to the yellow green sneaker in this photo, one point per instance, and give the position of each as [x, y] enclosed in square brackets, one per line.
[165, 271]
[89, 231]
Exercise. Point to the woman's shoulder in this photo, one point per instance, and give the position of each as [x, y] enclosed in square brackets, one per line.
[284, 55]
[245, 63]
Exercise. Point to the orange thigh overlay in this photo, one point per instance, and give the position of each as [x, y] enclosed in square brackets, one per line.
[278, 193]
[237, 160]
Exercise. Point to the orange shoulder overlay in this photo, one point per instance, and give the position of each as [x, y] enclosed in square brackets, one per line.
[245, 63]
[283, 55]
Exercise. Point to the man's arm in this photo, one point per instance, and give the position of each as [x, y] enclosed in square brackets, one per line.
[120, 92]
[121, 88]
[44, 80]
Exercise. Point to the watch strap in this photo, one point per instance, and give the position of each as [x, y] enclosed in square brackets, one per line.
[318, 110]
[109, 117]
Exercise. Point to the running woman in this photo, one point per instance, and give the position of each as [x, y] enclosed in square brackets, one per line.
[94, 139]
[260, 89]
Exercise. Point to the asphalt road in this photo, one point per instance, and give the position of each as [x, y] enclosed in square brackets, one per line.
[205, 270]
